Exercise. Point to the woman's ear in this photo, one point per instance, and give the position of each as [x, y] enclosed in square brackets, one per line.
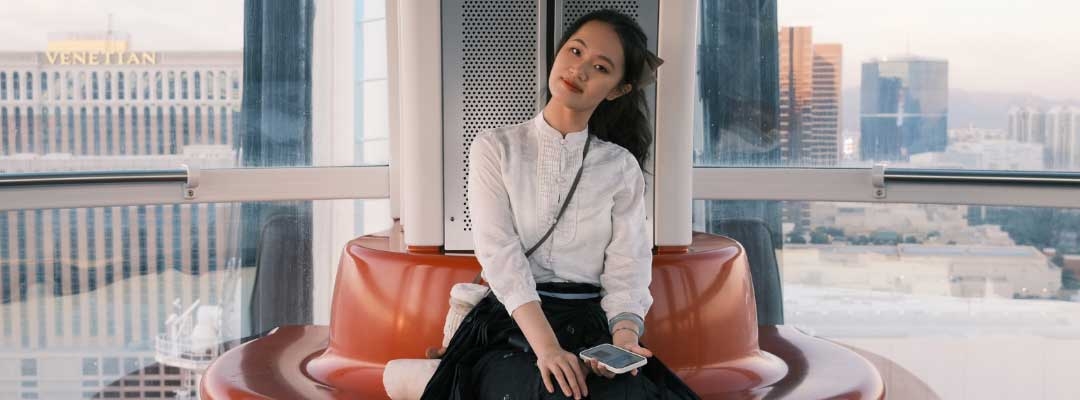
[618, 91]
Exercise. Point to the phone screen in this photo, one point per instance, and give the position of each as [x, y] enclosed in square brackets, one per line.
[614, 356]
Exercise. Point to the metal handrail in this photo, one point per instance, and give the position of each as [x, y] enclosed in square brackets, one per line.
[885, 174]
[912, 175]
[93, 177]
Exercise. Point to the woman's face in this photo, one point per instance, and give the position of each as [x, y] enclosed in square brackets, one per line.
[588, 68]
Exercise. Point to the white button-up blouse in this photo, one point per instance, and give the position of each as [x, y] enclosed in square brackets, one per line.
[518, 178]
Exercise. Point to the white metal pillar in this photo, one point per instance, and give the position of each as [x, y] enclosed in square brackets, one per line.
[674, 124]
[420, 88]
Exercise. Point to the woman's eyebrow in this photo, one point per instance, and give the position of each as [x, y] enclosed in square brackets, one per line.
[605, 58]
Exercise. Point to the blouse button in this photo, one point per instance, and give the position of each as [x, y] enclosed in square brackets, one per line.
[563, 141]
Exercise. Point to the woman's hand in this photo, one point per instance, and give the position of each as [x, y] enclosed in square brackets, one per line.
[626, 339]
[566, 369]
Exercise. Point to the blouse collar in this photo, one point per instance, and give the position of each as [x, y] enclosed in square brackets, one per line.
[548, 133]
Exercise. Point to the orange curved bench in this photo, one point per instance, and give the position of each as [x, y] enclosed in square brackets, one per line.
[390, 304]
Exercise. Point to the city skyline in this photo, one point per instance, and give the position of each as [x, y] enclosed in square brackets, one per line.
[971, 25]
[973, 35]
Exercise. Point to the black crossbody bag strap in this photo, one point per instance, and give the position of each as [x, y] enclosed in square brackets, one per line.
[569, 195]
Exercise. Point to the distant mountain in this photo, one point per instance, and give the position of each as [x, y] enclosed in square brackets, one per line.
[966, 107]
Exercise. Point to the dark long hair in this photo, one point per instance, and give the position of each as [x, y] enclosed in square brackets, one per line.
[622, 121]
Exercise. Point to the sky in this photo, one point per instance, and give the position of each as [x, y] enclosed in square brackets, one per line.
[153, 24]
[1005, 46]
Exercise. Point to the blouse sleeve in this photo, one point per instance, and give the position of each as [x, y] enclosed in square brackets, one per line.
[497, 244]
[628, 257]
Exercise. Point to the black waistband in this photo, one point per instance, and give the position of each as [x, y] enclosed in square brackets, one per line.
[568, 287]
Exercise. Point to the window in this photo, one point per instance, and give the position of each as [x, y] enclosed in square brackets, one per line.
[807, 87]
[28, 366]
[146, 85]
[30, 131]
[198, 126]
[17, 125]
[110, 366]
[221, 85]
[197, 79]
[45, 128]
[121, 127]
[184, 85]
[110, 134]
[96, 122]
[108, 85]
[371, 115]
[90, 367]
[172, 85]
[15, 85]
[210, 85]
[117, 273]
[82, 86]
[56, 86]
[94, 90]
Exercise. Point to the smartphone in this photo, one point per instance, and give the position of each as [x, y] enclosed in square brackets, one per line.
[614, 358]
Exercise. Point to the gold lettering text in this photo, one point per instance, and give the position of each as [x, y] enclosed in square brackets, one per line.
[149, 58]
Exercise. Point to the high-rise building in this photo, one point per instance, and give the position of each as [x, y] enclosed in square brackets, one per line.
[1063, 137]
[825, 137]
[796, 87]
[904, 107]
[86, 291]
[810, 77]
[1027, 125]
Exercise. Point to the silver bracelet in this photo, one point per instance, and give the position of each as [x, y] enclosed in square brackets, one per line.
[628, 316]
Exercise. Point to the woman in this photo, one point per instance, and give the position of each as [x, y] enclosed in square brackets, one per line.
[589, 283]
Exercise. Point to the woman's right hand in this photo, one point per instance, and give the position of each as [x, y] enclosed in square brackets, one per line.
[566, 369]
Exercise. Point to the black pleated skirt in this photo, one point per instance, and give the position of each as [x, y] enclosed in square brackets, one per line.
[489, 358]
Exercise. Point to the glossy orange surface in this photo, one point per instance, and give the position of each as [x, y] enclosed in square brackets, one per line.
[270, 368]
[389, 304]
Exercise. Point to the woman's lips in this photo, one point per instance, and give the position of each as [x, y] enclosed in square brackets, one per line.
[570, 85]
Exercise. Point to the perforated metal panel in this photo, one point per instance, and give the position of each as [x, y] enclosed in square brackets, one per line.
[491, 78]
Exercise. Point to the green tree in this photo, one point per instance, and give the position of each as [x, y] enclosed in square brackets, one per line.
[1058, 258]
[1069, 280]
[817, 237]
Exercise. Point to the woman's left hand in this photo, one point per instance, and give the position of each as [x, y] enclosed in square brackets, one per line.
[626, 339]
